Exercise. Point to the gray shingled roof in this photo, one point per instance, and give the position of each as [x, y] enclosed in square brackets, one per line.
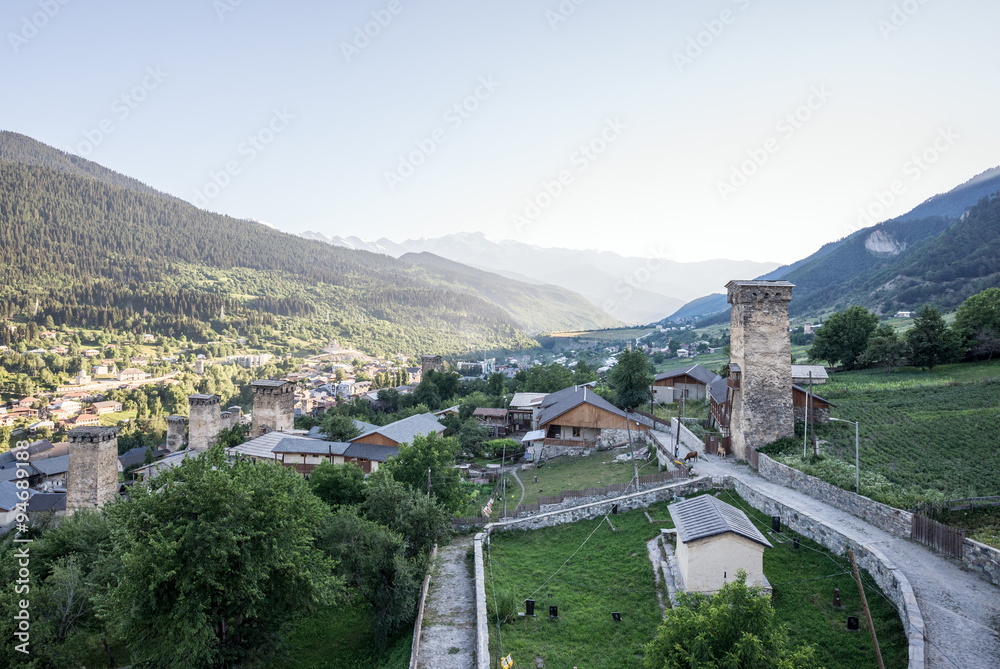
[403, 431]
[8, 471]
[310, 446]
[719, 389]
[558, 403]
[52, 466]
[371, 452]
[698, 372]
[8, 495]
[707, 516]
[47, 501]
[134, 456]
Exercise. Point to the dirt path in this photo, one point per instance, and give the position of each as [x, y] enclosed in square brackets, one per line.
[514, 473]
[448, 637]
[961, 611]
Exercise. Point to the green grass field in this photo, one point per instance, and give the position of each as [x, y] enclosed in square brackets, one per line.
[339, 638]
[925, 436]
[572, 473]
[611, 572]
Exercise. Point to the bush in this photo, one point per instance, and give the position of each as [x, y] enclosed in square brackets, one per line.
[502, 605]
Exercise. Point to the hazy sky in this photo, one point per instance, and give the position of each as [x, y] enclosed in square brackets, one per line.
[744, 129]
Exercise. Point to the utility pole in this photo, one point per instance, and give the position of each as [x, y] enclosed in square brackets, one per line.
[428, 481]
[868, 614]
[805, 427]
[680, 417]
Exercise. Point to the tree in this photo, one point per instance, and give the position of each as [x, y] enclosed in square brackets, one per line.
[930, 341]
[232, 437]
[471, 436]
[632, 380]
[733, 628]
[844, 337]
[884, 348]
[338, 485]
[371, 559]
[977, 323]
[435, 455]
[339, 427]
[495, 383]
[418, 518]
[219, 561]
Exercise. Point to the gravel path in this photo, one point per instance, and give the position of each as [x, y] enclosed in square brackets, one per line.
[448, 637]
[961, 611]
[523, 492]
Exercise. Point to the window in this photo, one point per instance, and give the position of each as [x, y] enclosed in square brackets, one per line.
[576, 433]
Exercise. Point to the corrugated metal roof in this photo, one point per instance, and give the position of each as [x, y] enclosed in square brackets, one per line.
[707, 516]
[698, 372]
[371, 452]
[404, 431]
[802, 372]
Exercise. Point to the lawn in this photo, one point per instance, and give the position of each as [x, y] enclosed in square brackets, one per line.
[339, 638]
[112, 419]
[572, 473]
[611, 572]
[925, 436]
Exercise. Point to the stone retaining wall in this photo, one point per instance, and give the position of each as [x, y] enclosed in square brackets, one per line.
[983, 560]
[583, 511]
[418, 625]
[482, 628]
[869, 557]
[688, 438]
[882, 516]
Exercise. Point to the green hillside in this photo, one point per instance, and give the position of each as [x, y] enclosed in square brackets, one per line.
[97, 249]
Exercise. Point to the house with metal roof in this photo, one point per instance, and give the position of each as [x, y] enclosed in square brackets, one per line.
[690, 382]
[714, 541]
[402, 431]
[578, 416]
[801, 374]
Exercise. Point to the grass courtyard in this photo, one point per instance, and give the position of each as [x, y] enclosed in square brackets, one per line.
[572, 473]
[590, 571]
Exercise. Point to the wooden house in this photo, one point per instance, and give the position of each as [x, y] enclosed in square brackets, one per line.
[578, 416]
[691, 383]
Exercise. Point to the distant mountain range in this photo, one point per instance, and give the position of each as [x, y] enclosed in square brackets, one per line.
[632, 289]
[99, 249]
[942, 251]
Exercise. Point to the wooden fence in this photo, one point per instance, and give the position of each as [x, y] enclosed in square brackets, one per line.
[752, 458]
[714, 443]
[944, 538]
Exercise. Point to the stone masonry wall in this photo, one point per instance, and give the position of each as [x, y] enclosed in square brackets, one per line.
[882, 516]
[176, 429]
[92, 476]
[983, 560]
[762, 407]
[627, 502]
[204, 422]
[482, 629]
[273, 407]
[689, 439]
[868, 556]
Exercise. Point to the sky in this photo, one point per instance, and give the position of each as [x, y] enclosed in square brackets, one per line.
[741, 129]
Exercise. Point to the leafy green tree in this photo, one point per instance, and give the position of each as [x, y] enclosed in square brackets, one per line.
[977, 323]
[219, 561]
[418, 518]
[930, 340]
[389, 399]
[338, 485]
[371, 559]
[496, 383]
[583, 373]
[339, 427]
[735, 628]
[231, 437]
[884, 348]
[431, 456]
[632, 379]
[844, 337]
[471, 436]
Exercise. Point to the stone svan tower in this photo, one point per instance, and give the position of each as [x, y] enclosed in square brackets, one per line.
[204, 422]
[176, 433]
[760, 364]
[273, 407]
[92, 477]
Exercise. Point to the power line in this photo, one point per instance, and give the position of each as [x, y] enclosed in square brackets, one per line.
[571, 556]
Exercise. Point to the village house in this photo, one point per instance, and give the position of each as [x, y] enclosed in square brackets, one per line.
[402, 431]
[819, 408]
[83, 420]
[91, 353]
[523, 407]
[691, 383]
[714, 541]
[578, 417]
[801, 374]
[131, 374]
[495, 420]
[101, 408]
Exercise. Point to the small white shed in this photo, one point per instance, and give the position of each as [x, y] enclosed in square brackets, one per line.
[714, 540]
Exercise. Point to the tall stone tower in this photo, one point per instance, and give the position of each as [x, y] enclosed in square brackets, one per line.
[273, 407]
[761, 363]
[431, 363]
[92, 477]
[204, 422]
[176, 431]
